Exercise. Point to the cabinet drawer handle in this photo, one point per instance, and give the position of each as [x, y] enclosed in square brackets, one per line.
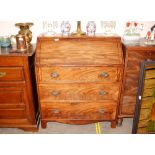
[55, 93]
[56, 111]
[101, 111]
[102, 93]
[2, 74]
[54, 75]
[103, 75]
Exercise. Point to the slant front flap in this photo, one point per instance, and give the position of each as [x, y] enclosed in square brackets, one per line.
[94, 51]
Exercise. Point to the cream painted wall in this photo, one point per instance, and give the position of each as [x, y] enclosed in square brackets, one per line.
[8, 28]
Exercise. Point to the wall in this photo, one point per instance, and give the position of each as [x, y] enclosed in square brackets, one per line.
[8, 28]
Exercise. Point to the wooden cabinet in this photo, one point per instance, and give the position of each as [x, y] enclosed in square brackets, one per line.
[134, 55]
[18, 105]
[79, 79]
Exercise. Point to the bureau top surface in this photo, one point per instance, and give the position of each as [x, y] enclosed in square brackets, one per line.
[14, 52]
[97, 50]
[141, 45]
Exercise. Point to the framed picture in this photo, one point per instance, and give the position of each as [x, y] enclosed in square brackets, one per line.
[144, 118]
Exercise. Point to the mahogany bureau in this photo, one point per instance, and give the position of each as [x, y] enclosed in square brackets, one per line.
[134, 55]
[79, 79]
[17, 105]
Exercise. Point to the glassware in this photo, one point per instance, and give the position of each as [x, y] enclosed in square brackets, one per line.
[91, 28]
[5, 41]
[108, 27]
[49, 28]
[65, 28]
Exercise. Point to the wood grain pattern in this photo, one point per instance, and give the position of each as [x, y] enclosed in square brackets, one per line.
[134, 56]
[79, 74]
[150, 73]
[77, 45]
[17, 105]
[146, 115]
[89, 91]
[9, 61]
[79, 111]
[12, 113]
[15, 93]
[79, 52]
[79, 79]
[11, 74]
[76, 58]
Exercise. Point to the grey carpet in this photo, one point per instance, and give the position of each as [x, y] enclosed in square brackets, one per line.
[59, 128]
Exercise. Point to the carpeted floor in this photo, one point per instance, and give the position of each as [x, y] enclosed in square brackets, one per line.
[59, 128]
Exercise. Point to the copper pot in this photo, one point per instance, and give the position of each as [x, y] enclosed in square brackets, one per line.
[21, 42]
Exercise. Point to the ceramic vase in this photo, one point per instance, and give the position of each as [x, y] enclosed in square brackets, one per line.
[91, 28]
[65, 28]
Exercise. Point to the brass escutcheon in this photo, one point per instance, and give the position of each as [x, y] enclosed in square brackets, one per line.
[2, 74]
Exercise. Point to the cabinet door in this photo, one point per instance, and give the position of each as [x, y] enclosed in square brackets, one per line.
[14, 102]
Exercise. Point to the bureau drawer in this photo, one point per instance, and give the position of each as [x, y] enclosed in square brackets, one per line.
[87, 91]
[75, 111]
[11, 74]
[78, 74]
[11, 95]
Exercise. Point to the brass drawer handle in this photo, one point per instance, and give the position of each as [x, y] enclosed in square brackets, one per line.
[56, 111]
[2, 74]
[102, 93]
[55, 93]
[101, 111]
[54, 75]
[103, 75]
